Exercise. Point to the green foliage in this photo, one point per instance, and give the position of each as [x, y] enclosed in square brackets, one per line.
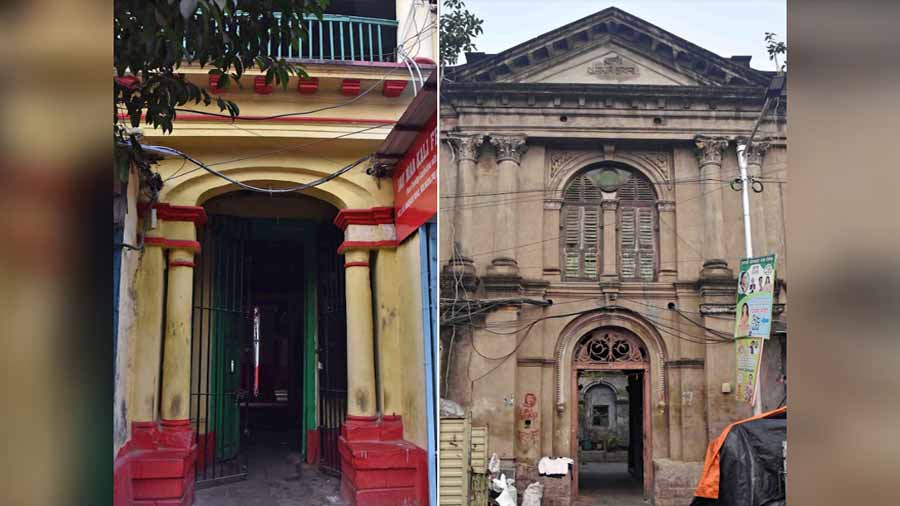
[153, 38]
[458, 28]
[775, 48]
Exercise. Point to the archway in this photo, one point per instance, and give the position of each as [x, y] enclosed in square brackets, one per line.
[268, 371]
[602, 358]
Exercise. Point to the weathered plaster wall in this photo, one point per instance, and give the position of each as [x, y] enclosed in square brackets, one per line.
[398, 323]
[687, 405]
[127, 315]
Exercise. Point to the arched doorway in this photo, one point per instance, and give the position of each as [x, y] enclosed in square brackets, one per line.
[610, 432]
[268, 361]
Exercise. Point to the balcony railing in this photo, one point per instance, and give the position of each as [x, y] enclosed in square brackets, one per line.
[340, 38]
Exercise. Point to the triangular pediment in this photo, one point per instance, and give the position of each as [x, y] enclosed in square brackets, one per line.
[610, 47]
[608, 63]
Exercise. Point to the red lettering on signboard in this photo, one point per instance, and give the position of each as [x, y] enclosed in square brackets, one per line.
[415, 182]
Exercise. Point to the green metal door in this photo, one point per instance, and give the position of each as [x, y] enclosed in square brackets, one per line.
[229, 333]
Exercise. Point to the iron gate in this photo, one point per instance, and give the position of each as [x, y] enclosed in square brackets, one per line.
[332, 349]
[220, 335]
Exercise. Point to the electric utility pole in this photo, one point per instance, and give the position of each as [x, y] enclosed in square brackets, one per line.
[743, 146]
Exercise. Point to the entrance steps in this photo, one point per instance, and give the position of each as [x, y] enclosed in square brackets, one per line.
[380, 468]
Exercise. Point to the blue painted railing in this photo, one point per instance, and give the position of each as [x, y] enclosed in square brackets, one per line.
[340, 38]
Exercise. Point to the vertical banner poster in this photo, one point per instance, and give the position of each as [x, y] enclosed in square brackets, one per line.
[753, 321]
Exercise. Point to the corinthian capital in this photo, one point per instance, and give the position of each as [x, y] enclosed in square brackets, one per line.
[757, 151]
[509, 147]
[465, 145]
[709, 149]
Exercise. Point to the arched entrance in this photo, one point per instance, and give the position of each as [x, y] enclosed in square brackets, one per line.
[268, 359]
[602, 358]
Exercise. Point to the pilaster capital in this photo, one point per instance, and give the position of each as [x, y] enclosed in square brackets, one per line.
[465, 145]
[709, 149]
[665, 206]
[757, 151]
[553, 204]
[509, 147]
[609, 204]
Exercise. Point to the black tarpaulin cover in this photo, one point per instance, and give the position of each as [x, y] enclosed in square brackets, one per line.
[744, 465]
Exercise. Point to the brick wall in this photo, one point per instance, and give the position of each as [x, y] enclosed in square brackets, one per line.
[557, 489]
[674, 482]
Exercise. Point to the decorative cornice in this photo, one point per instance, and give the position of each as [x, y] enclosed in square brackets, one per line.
[170, 212]
[685, 363]
[367, 245]
[553, 204]
[610, 25]
[709, 149]
[372, 216]
[509, 147]
[465, 145]
[535, 362]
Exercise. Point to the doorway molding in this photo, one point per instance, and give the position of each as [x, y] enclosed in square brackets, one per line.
[596, 351]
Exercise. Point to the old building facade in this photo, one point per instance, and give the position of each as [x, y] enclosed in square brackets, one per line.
[270, 296]
[588, 224]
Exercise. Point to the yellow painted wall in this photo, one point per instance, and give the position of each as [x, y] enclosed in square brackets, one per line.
[274, 154]
[399, 332]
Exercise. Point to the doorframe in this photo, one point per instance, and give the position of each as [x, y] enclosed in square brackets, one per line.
[647, 436]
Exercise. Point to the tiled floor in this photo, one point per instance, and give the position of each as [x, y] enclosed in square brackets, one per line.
[608, 484]
[276, 478]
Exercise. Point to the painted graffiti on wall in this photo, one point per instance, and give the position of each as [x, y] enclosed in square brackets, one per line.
[528, 433]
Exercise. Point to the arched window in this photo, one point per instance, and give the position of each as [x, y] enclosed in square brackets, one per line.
[582, 224]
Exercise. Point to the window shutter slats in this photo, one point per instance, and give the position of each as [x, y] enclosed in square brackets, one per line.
[582, 229]
[646, 243]
[627, 242]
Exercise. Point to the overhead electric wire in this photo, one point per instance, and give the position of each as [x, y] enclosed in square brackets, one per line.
[317, 182]
[311, 111]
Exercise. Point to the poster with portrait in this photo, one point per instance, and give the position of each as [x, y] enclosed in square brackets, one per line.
[755, 293]
[749, 353]
[753, 321]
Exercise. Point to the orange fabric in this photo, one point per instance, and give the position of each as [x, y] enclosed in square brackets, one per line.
[708, 486]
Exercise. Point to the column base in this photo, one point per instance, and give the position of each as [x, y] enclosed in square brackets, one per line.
[380, 468]
[156, 466]
[715, 269]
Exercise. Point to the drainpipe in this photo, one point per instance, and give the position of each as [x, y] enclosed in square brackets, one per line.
[428, 331]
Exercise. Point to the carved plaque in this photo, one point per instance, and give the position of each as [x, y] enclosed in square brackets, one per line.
[615, 68]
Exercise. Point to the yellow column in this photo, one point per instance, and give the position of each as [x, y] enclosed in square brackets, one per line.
[149, 286]
[360, 342]
[177, 346]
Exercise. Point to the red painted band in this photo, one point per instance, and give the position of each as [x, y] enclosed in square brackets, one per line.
[286, 119]
[171, 212]
[365, 245]
[181, 244]
[181, 263]
[155, 241]
[186, 422]
[372, 216]
[356, 264]
[352, 418]
[172, 243]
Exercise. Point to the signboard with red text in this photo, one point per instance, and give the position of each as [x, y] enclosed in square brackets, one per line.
[415, 183]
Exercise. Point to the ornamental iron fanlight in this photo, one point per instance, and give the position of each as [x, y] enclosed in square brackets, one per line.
[610, 345]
